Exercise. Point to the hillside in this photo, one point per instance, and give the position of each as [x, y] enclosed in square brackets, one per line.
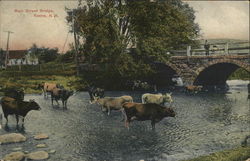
[215, 41]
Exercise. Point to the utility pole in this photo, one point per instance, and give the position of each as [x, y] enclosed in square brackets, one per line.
[7, 49]
[76, 39]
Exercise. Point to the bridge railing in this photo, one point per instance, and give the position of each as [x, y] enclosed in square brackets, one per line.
[236, 48]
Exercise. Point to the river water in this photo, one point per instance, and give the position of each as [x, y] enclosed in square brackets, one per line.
[205, 123]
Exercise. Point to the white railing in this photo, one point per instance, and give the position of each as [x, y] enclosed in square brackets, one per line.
[239, 48]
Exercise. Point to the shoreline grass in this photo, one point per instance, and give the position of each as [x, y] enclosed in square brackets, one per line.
[237, 154]
[30, 83]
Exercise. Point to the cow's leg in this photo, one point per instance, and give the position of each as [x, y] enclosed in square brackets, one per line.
[127, 121]
[153, 124]
[108, 110]
[17, 120]
[124, 116]
[23, 123]
[44, 95]
[57, 102]
[65, 104]
[6, 117]
[52, 98]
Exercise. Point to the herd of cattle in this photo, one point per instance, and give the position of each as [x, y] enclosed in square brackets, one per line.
[151, 108]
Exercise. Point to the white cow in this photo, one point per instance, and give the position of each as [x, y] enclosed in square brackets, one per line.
[113, 103]
[159, 99]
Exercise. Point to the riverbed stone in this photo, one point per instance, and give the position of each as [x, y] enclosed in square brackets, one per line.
[41, 145]
[38, 155]
[12, 138]
[17, 149]
[52, 151]
[41, 136]
[26, 152]
[14, 156]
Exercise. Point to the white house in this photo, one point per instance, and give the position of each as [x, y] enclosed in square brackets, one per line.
[21, 57]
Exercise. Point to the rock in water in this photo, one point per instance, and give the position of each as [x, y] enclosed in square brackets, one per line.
[41, 145]
[14, 156]
[38, 155]
[41, 136]
[12, 138]
[17, 149]
[52, 151]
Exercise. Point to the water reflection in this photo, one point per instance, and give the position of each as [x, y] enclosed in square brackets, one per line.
[17, 128]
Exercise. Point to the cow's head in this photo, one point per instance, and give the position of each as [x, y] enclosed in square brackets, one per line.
[167, 97]
[97, 100]
[33, 105]
[40, 86]
[98, 92]
[59, 86]
[169, 112]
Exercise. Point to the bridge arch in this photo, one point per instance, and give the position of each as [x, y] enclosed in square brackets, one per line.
[217, 72]
[164, 73]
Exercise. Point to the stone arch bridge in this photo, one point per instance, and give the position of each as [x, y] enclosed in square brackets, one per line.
[202, 70]
[207, 67]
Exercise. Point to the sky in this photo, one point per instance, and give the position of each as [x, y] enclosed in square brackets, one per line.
[26, 19]
[222, 19]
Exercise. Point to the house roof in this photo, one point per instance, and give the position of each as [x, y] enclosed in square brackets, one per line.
[17, 54]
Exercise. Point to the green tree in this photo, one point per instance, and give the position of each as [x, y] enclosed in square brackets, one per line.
[43, 54]
[162, 26]
[108, 29]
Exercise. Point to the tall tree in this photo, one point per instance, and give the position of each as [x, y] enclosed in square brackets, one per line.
[109, 28]
[162, 26]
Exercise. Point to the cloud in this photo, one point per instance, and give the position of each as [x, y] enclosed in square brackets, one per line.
[223, 19]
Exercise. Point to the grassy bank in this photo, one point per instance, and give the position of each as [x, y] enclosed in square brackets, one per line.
[29, 83]
[237, 154]
[240, 74]
[29, 77]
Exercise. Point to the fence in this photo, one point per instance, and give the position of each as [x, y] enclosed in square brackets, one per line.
[42, 67]
[238, 48]
[66, 69]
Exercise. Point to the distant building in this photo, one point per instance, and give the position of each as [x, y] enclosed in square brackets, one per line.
[21, 57]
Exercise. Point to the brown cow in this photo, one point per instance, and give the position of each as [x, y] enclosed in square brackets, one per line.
[193, 88]
[61, 94]
[142, 112]
[11, 106]
[48, 87]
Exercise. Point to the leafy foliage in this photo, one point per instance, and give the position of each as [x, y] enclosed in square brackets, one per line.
[240, 74]
[44, 54]
[127, 35]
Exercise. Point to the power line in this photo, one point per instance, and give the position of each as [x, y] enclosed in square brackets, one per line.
[65, 42]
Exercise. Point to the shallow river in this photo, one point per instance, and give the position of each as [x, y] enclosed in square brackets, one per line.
[205, 123]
